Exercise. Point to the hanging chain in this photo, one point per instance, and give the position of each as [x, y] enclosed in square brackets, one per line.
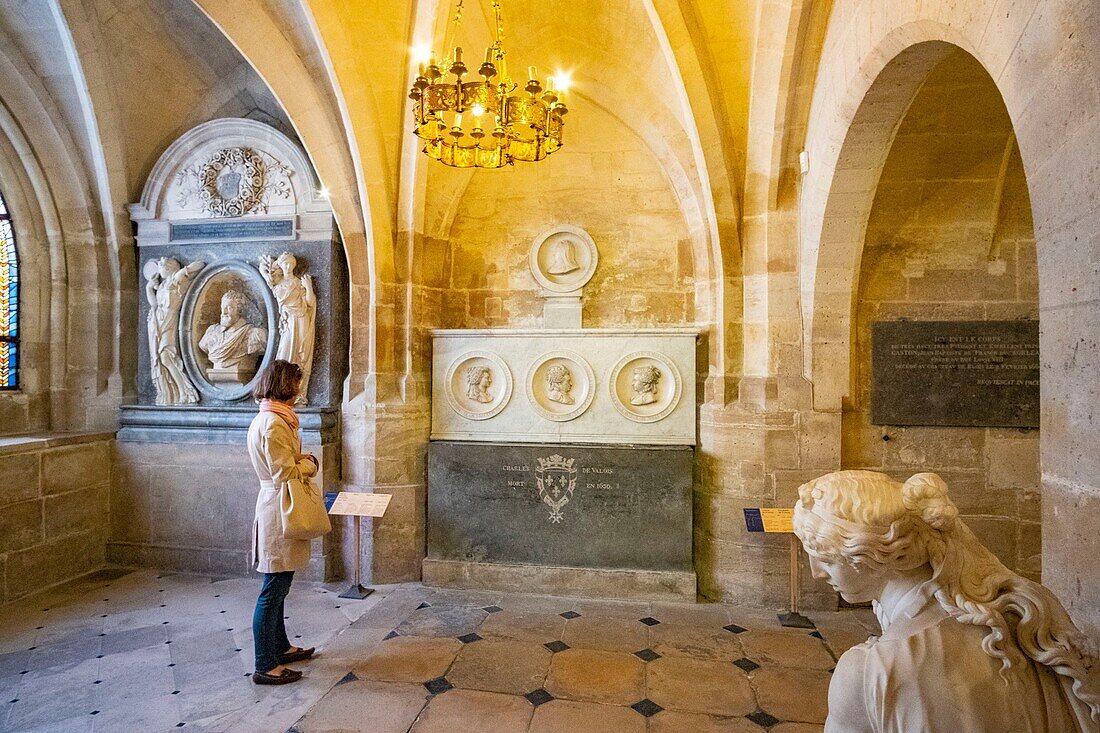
[499, 13]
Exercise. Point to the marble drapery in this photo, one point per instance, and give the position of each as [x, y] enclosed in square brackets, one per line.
[164, 289]
[297, 313]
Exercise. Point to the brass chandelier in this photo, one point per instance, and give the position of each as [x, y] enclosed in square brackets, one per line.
[489, 123]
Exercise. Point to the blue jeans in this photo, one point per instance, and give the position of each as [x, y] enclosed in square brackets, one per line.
[268, 630]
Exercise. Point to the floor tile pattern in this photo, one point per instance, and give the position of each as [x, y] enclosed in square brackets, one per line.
[140, 651]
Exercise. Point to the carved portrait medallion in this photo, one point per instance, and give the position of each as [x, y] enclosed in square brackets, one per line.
[560, 385]
[645, 386]
[478, 385]
[563, 259]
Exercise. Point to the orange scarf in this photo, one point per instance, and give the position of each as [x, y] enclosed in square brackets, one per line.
[283, 410]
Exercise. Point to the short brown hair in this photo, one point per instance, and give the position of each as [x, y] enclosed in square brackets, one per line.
[279, 381]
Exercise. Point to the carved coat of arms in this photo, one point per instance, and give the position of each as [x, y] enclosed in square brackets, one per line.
[556, 478]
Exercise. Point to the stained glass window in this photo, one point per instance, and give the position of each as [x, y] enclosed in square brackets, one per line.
[9, 303]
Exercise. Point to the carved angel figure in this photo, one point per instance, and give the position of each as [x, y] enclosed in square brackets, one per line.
[166, 283]
[967, 644]
[297, 313]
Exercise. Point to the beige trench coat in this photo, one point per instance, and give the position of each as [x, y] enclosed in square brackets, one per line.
[276, 453]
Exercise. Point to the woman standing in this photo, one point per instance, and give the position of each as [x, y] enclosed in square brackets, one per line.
[276, 452]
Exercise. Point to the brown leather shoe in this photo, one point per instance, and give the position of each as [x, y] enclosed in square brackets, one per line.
[299, 655]
[284, 678]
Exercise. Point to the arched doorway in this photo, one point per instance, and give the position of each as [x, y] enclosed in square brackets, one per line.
[949, 240]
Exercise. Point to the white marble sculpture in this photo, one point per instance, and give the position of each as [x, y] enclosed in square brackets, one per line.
[478, 381]
[967, 644]
[165, 284]
[233, 344]
[562, 258]
[644, 385]
[559, 384]
[297, 312]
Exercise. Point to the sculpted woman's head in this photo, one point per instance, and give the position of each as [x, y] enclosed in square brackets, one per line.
[858, 527]
[863, 530]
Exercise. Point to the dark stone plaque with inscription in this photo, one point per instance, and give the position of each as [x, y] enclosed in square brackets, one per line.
[561, 505]
[958, 373]
[235, 229]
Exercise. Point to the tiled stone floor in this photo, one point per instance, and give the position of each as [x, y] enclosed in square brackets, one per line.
[136, 651]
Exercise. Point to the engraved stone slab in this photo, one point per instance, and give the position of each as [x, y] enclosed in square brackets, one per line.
[560, 505]
[955, 373]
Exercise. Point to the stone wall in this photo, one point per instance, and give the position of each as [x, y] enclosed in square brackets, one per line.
[606, 181]
[950, 238]
[53, 509]
[189, 506]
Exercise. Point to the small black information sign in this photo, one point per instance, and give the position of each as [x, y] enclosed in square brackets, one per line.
[955, 373]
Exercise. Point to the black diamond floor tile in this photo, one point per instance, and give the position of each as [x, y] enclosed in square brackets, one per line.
[556, 646]
[349, 677]
[425, 604]
[469, 638]
[647, 655]
[747, 664]
[538, 697]
[649, 621]
[492, 609]
[390, 635]
[438, 686]
[817, 635]
[735, 629]
[763, 718]
[646, 708]
[570, 614]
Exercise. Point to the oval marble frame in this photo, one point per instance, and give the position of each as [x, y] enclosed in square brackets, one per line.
[187, 312]
[582, 365]
[626, 409]
[576, 283]
[460, 361]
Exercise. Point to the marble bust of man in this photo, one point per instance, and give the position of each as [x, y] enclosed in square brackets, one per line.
[644, 385]
[478, 381]
[559, 382]
[233, 344]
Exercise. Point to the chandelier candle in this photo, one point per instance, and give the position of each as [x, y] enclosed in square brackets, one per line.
[528, 123]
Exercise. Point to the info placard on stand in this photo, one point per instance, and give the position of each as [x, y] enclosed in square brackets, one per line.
[358, 505]
[777, 520]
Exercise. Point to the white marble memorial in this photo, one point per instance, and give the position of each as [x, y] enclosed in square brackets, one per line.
[579, 385]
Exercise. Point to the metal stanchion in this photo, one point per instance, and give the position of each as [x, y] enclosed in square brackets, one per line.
[793, 618]
[356, 590]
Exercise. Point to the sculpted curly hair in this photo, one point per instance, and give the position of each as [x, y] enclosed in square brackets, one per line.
[868, 520]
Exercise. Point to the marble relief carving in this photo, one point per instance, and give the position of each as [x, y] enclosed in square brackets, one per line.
[233, 345]
[297, 312]
[560, 385]
[479, 380]
[234, 182]
[166, 282]
[479, 385]
[563, 259]
[645, 386]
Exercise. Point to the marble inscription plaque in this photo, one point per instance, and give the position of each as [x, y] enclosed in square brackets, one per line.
[955, 373]
[232, 230]
[560, 505]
